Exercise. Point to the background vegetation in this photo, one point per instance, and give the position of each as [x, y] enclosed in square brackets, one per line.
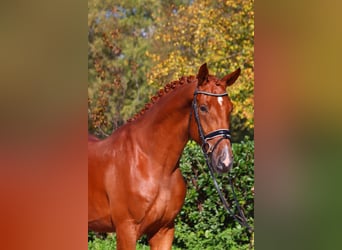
[135, 48]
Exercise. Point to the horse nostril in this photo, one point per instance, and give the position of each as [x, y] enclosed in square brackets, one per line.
[221, 167]
[226, 162]
[226, 159]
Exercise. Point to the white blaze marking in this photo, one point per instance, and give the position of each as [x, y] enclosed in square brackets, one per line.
[220, 100]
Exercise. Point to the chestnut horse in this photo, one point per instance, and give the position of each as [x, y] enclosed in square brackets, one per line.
[135, 186]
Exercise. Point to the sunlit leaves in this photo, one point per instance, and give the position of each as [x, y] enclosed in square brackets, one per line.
[217, 32]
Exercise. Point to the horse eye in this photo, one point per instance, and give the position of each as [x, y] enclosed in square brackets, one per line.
[204, 108]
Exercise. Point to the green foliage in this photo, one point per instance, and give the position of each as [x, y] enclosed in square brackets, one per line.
[109, 243]
[203, 223]
[96, 243]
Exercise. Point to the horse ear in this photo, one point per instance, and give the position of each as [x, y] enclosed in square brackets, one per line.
[202, 75]
[231, 78]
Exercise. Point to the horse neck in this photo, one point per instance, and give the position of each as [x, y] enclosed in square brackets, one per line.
[165, 125]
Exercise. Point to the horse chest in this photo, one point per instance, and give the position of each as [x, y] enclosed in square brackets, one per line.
[168, 202]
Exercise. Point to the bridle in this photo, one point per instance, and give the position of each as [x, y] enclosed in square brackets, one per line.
[225, 135]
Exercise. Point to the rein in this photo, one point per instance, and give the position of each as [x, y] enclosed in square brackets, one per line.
[225, 135]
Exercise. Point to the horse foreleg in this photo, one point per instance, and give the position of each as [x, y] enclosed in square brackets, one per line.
[162, 240]
[126, 236]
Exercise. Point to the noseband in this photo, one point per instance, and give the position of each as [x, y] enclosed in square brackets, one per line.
[223, 133]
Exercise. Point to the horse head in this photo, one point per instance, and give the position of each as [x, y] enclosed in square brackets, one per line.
[210, 119]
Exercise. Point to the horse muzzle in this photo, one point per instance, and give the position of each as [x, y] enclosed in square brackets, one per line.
[221, 156]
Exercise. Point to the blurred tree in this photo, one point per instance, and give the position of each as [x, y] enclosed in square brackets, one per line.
[119, 33]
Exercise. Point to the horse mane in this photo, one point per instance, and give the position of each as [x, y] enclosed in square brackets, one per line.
[162, 92]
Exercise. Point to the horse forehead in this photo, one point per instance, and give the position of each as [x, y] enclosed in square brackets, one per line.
[220, 100]
[213, 86]
[222, 103]
[213, 81]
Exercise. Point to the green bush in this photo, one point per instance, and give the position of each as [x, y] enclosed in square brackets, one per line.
[203, 222]
[109, 243]
[96, 243]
